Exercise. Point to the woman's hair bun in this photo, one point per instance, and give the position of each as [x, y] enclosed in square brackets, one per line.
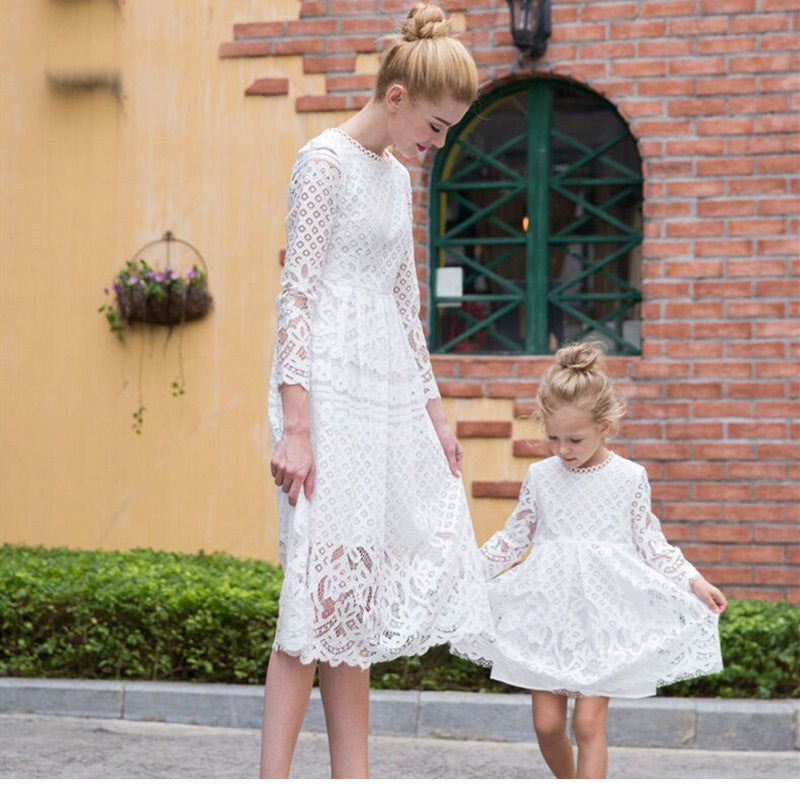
[424, 21]
[581, 357]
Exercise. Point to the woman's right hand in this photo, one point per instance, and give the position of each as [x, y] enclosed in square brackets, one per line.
[292, 465]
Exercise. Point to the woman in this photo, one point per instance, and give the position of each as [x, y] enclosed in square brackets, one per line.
[375, 537]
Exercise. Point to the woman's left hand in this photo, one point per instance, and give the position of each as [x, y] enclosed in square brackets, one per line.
[709, 594]
[452, 449]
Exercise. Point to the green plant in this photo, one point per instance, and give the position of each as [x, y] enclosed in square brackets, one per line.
[147, 615]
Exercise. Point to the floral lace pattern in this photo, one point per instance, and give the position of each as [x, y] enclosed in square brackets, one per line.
[381, 562]
[602, 604]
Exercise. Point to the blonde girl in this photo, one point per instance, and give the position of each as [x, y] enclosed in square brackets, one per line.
[374, 531]
[603, 606]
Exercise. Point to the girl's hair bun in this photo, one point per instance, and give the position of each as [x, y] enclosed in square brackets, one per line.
[581, 357]
[424, 21]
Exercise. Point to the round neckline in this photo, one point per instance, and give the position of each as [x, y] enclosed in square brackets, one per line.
[593, 468]
[384, 159]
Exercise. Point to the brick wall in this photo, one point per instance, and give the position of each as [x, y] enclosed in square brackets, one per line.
[709, 89]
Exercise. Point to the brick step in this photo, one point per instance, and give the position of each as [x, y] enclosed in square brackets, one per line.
[524, 408]
[475, 429]
[505, 489]
[531, 448]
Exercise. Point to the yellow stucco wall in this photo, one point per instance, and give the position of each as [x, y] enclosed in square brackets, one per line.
[86, 180]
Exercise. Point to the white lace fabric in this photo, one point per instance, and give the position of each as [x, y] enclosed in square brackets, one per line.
[381, 562]
[602, 603]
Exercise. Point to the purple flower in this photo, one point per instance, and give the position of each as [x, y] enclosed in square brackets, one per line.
[133, 280]
[158, 277]
[172, 275]
[149, 275]
[117, 289]
[192, 273]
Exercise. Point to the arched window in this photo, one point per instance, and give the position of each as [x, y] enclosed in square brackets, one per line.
[536, 224]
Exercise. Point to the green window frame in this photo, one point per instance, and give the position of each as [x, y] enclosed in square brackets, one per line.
[563, 147]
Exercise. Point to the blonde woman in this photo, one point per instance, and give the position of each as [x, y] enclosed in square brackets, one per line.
[375, 537]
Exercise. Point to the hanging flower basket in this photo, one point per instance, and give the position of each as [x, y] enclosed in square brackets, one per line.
[160, 296]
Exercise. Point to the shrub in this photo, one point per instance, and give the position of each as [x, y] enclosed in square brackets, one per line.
[146, 615]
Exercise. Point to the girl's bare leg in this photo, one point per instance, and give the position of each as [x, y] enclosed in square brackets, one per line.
[550, 724]
[345, 697]
[589, 726]
[286, 694]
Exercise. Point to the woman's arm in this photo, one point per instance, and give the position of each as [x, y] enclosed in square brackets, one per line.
[292, 463]
[508, 546]
[312, 209]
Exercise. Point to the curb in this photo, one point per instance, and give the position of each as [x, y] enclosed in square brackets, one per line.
[672, 722]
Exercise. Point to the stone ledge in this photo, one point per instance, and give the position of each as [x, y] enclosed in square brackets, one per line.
[678, 723]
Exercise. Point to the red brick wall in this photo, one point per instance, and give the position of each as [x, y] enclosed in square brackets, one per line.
[709, 89]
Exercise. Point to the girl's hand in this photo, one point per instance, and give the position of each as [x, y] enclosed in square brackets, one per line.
[709, 594]
[292, 465]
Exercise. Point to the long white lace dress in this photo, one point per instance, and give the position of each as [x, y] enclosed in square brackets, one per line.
[382, 561]
[602, 603]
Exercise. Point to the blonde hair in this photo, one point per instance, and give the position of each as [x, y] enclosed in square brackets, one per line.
[429, 63]
[579, 378]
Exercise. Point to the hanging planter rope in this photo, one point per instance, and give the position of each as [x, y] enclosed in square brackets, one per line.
[162, 297]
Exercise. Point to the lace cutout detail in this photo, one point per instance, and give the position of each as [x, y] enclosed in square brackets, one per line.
[406, 295]
[651, 542]
[509, 545]
[312, 211]
[365, 150]
[594, 468]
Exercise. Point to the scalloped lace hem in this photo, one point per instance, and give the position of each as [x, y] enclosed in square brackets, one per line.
[307, 655]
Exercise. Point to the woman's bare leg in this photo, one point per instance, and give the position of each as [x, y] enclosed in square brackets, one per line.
[286, 694]
[589, 726]
[550, 724]
[345, 697]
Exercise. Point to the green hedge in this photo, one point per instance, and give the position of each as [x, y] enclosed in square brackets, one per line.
[145, 615]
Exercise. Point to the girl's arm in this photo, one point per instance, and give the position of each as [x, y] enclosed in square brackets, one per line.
[313, 193]
[664, 557]
[508, 546]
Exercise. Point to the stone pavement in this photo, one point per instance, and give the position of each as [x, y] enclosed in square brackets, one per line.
[691, 723]
[35, 746]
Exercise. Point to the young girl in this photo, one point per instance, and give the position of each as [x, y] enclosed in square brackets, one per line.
[603, 606]
[374, 531]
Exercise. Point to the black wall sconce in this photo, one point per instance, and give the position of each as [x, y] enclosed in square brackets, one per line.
[530, 25]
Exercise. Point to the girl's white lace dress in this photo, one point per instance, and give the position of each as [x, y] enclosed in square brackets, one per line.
[382, 561]
[602, 604]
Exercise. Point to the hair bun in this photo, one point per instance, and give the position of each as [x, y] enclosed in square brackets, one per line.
[424, 21]
[581, 357]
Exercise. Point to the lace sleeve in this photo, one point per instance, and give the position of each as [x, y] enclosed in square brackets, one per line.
[507, 546]
[406, 295]
[651, 542]
[312, 212]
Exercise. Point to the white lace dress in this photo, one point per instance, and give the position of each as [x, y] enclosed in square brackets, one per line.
[602, 604]
[382, 561]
